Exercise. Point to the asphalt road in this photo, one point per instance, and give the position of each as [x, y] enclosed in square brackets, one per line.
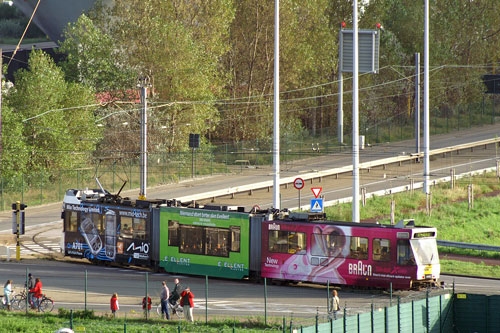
[65, 283]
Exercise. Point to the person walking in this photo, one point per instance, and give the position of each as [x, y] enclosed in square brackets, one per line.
[334, 304]
[7, 292]
[164, 296]
[187, 303]
[37, 293]
[114, 304]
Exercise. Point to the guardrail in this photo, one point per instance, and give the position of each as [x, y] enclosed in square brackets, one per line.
[335, 171]
[469, 246]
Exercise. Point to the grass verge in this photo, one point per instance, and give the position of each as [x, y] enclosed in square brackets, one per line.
[88, 322]
[450, 215]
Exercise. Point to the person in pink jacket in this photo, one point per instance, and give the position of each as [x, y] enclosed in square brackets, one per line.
[187, 303]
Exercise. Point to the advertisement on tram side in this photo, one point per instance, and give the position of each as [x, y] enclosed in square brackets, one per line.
[336, 254]
[204, 242]
[107, 233]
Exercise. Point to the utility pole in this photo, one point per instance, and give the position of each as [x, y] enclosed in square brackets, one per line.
[143, 84]
[355, 119]
[276, 141]
[417, 103]
[426, 102]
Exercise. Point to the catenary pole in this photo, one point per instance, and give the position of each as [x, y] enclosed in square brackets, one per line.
[276, 141]
[355, 119]
[340, 112]
[144, 140]
[426, 100]
[417, 103]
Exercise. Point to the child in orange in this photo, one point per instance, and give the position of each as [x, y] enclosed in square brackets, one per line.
[114, 304]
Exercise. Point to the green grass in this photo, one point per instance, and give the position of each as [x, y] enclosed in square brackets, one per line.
[20, 322]
[450, 214]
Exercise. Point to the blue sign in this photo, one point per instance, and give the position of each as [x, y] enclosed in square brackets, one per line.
[316, 205]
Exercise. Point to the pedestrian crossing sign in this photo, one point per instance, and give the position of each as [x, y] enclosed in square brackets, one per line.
[317, 205]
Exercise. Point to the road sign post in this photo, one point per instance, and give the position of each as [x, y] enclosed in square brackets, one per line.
[298, 183]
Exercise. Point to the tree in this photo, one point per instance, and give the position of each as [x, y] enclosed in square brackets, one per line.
[92, 58]
[57, 117]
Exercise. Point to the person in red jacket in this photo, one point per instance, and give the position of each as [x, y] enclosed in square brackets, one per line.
[187, 303]
[148, 305]
[114, 304]
[37, 293]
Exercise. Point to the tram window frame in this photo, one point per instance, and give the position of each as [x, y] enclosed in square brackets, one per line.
[129, 231]
[235, 239]
[221, 249]
[193, 243]
[326, 245]
[173, 233]
[384, 253]
[137, 231]
[407, 259]
[98, 220]
[71, 220]
[357, 250]
[280, 241]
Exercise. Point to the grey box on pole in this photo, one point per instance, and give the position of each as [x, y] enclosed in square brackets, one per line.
[369, 45]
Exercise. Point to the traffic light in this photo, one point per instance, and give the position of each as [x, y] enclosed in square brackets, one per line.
[194, 140]
[18, 209]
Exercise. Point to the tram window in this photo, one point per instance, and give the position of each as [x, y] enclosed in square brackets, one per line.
[359, 248]
[297, 243]
[217, 242]
[278, 241]
[287, 242]
[326, 245]
[381, 249]
[127, 230]
[139, 228]
[191, 239]
[98, 220]
[70, 221]
[405, 254]
[173, 233]
[235, 239]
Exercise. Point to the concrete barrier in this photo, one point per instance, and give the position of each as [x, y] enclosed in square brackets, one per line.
[5, 251]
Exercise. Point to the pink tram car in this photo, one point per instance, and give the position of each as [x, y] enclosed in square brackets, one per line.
[346, 253]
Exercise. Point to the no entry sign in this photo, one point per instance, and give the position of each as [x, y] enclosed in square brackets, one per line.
[298, 183]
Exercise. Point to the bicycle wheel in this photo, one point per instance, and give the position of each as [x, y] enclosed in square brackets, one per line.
[46, 305]
[20, 304]
[179, 312]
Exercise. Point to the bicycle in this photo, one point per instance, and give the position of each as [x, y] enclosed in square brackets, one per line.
[175, 309]
[45, 304]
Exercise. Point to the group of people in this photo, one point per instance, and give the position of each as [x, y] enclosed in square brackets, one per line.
[34, 292]
[183, 295]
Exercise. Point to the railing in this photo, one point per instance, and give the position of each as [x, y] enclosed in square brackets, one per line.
[469, 246]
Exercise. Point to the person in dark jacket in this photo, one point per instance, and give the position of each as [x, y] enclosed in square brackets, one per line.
[176, 293]
[29, 286]
[187, 303]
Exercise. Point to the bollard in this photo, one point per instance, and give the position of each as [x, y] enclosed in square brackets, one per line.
[291, 323]
[71, 318]
[145, 304]
[284, 324]
[125, 324]
[27, 290]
